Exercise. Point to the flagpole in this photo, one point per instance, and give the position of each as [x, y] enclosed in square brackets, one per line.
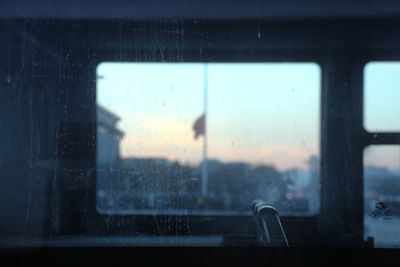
[204, 171]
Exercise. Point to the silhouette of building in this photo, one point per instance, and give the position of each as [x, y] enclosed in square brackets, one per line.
[109, 183]
[108, 137]
[313, 191]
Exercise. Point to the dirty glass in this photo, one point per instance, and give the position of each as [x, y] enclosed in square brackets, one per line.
[381, 194]
[207, 139]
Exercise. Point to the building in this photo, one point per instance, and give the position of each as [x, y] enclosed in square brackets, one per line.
[108, 137]
[313, 190]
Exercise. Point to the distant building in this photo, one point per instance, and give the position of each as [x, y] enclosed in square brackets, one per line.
[132, 162]
[108, 137]
[314, 191]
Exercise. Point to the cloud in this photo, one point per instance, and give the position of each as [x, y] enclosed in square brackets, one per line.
[280, 156]
[150, 136]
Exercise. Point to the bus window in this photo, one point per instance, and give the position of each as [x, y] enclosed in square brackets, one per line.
[382, 96]
[207, 139]
[381, 198]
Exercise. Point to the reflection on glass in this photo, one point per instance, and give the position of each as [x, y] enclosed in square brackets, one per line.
[381, 195]
[382, 96]
[207, 138]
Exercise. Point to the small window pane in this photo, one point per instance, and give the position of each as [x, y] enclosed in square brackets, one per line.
[381, 195]
[207, 139]
[382, 96]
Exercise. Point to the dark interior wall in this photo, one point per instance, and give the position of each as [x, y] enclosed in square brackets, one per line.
[200, 9]
[47, 143]
[23, 185]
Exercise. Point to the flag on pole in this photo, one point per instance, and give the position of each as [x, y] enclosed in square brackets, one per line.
[199, 126]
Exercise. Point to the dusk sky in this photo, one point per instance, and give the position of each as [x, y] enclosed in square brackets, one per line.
[382, 97]
[257, 113]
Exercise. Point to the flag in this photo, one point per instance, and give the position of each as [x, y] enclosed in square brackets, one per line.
[199, 126]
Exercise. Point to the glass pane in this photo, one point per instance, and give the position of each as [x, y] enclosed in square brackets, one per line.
[382, 96]
[381, 195]
[207, 138]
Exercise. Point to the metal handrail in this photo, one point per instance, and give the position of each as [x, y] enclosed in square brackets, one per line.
[269, 228]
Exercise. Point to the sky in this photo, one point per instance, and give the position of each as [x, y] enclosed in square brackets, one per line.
[382, 97]
[256, 113]
[386, 156]
[382, 111]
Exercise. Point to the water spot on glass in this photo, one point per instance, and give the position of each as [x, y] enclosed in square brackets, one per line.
[380, 205]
